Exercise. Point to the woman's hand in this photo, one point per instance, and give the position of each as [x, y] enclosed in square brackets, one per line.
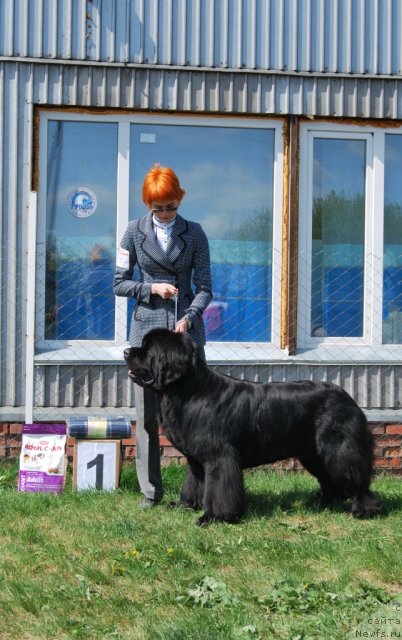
[181, 326]
[164, 289]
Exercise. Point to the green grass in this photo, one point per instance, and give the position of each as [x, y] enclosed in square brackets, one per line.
[94, 565]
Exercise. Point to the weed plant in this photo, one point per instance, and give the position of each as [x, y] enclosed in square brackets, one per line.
[94, 565]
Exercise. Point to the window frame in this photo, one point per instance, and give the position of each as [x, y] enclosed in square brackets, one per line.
[78, 350]
[373, 248]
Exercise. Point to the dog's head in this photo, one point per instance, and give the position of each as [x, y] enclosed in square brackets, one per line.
[163, 358]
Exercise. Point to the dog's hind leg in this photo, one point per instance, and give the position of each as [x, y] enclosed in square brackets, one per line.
[224, 489]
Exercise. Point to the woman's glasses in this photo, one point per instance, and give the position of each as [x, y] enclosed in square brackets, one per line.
[169, 209]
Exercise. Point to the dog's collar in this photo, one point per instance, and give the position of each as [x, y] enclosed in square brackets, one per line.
[142, 382]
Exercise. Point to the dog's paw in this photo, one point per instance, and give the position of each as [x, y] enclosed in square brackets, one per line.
[178, 504]
[173, 504]
[205, 520]
[369, 506]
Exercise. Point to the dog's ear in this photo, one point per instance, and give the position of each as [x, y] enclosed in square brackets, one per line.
[175, 363]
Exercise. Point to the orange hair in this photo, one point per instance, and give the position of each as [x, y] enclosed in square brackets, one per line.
[161, 183]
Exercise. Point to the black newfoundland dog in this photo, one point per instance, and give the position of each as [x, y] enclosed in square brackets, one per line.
[223, 425]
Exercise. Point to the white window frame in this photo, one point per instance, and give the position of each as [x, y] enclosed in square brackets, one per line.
[54, 351]
[371, 341]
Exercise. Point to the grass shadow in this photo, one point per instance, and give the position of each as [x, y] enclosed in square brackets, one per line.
[289, 501]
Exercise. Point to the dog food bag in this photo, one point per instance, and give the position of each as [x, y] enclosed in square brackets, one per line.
[43, 460]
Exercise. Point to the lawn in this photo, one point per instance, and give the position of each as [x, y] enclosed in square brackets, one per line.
[94, 565]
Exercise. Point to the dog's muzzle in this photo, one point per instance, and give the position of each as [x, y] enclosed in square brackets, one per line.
[140, 380]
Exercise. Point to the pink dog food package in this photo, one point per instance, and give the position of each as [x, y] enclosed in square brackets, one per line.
[43, 459]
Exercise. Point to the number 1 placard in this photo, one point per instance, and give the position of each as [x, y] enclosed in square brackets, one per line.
[97, 464]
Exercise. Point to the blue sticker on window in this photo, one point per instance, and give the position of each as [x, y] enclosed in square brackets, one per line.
[81, 202]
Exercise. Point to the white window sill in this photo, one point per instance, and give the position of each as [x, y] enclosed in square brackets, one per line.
[230, 353]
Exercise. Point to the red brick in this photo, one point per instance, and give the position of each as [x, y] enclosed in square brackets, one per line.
[391, 452]
[378, 429]
[388, 463]
[4, 428]
[14, 442]
[15, 428]
[129, 452]
[171, 452]
[70, 441]
[164, 442]
[128, 442]
[3, 451]
[394, 429]
[393, 439]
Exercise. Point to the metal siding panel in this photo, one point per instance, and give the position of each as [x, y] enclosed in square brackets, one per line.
[232, 41]
[303, 37]
[81, 33]
[107, 38]
[165, 31]
[21, 28]
[80, 387]
[150, 42]
[11, 252]
[136, 31]
[336, 36]
[6, 28]
[320, 34]
[95, 30]
[385, 37]
[65, 30]
[179, 33]
[262, 34]
[396, 37]
[345, 36]
[43, 39]
[223, 35]
[122, 31]
[291, 19]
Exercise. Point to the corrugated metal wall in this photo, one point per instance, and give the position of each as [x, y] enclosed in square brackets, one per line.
[65, 388]
[83, 52]
[319, 36]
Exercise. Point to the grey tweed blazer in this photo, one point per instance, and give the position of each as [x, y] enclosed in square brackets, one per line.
[185, 263]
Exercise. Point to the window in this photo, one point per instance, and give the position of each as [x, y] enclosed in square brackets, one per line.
[350, 253]
[80, 231]
[91, 173]
[392, 284]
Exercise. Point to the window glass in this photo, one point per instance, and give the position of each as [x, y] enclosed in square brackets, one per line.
[228, 177]
[80, 230]
[392, 277]
[338, 237]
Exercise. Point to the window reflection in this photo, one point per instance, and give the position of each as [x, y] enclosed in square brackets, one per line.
[228, 177]
[80, 230]
[338, 238]
[392, 277]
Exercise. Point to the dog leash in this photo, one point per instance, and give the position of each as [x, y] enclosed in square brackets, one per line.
[175, 309]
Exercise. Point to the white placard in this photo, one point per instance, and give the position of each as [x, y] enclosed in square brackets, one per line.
[149, 138]
[97, 464]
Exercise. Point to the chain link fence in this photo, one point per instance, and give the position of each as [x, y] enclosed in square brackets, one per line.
[78, 364]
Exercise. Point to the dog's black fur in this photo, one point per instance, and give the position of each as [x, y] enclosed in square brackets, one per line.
[223, 425]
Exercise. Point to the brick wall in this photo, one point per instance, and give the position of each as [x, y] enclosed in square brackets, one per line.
[387, 438]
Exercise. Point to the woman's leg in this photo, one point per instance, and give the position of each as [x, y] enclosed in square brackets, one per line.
[147, 444]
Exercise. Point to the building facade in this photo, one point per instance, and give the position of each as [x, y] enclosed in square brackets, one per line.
[283, 120]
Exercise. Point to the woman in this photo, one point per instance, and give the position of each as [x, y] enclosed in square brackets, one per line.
[171, 254]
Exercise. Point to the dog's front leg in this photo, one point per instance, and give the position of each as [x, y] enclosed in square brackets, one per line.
[224, 499]
[192, 493]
